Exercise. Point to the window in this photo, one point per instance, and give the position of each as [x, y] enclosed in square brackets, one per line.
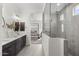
[62, 27]
[61, 17]
[76, 10]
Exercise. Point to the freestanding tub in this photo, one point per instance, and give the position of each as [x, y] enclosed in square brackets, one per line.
[54, 46]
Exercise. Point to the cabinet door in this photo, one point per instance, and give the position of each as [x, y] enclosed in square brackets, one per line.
[9, 49]
[18, 45]
[5, 51]
[24, 40]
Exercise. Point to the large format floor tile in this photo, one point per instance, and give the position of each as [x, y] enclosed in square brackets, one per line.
[33, 50]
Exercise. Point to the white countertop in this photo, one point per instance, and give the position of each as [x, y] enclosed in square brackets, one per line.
[7, 40]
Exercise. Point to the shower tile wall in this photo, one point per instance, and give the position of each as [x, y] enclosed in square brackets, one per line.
[71, 30]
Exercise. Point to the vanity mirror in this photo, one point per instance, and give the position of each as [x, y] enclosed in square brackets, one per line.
[16, 26]
[22, 26]
[19, 26]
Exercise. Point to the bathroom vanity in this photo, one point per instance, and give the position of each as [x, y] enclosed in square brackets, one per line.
[12, 46]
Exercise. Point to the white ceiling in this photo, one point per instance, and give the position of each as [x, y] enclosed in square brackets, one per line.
[55, 8]
[34, 10]
[31, 8]
[28, 8]
[23, 10]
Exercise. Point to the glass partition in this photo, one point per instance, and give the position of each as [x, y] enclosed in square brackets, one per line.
[46, 20]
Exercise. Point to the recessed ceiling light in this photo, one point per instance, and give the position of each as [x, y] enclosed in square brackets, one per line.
[58, 4]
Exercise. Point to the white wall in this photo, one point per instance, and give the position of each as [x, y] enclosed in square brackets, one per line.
[2, 29]
[37, 18]
[1, 36]
[54, 25]
[28, 28]
[72, 30]
[45, 44]
[8, 11]
[46, 30]
[55, 30]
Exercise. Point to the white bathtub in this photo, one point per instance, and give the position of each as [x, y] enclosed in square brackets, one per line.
[52, 46]
[56, 47]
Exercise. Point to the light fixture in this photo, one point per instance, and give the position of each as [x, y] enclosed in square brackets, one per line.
[58, 4]
[15, 17]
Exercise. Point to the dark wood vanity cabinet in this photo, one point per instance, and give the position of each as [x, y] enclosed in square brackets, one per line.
[14, 47]
[23, 41]
[9, 49]
[18, 45]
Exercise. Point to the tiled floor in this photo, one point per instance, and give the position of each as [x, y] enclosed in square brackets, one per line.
[38, 41]
[33, 50]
